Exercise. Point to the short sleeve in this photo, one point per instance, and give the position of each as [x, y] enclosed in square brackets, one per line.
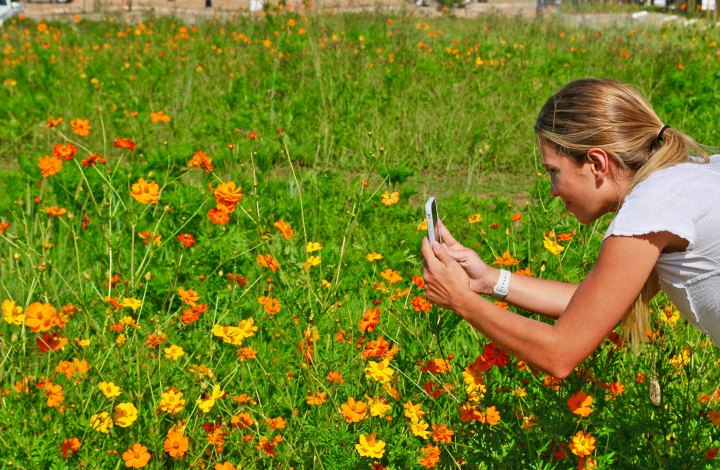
[658, 204]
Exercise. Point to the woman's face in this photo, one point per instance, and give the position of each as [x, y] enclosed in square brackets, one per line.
[575, 184]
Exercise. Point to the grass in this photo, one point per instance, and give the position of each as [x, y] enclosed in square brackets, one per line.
[367, 105]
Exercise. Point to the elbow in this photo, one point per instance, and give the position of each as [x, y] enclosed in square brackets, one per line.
[561, 364]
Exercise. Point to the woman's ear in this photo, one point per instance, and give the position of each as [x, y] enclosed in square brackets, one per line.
[601, 164]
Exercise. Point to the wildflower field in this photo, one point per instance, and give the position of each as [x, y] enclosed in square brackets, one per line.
[210, 245]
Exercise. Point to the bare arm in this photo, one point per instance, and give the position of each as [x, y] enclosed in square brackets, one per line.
[594, 309]
[543, 296]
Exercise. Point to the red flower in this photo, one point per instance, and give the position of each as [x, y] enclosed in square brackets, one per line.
[186, 239]
[121, 143]
[492, 354]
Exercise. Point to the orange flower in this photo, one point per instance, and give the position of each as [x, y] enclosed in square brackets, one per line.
[176, 444]
[421, 304]
[353, 411]
[492, 416]
[390, 198]
[3, 227]
[64, 151]
[270, 304]
[375, 348]
[316, 398]
[49, 166]
[276, 423]
[81, 127]
[430, 456]
[583, 444]
[616, 388]
[228, 195]
[370, 319]
[136, 457]
[284, 229]
[54, 394]
[186, 239]
[335, 377]
[218, 216]
[391, 276]
[144, 192]
[191, 315]
[494, 355]
[580, 404]
[52, 122]
[54, 211]
[121, 143]
[69, 446]
[201, 160]
[442, 434]
[147, 237]
[40, 317]
[268, 261]
[714, 416]
[242, 420]
[159, 116]
[505, 260]
[516, 217]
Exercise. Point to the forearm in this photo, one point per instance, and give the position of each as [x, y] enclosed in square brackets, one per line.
[543, 296]
[534, 342]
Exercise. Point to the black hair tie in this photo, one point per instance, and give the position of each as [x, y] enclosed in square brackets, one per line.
[659, 137]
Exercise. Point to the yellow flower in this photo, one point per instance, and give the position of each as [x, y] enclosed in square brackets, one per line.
[326, 284]
[311, 261]
[670, 315]
[207, 401]
[373, 257]
[413, 412]
[172, 401]
[390, 198]
[236, 334]
[474, 219]
[552, 246]
[174, 352]
[378, 406]
[129, 302]
[125, 414]
[83, 343]
[101, 422]
[370, 447]
[109, 389]
[422, 225]
[313, 246]
[380, 371]
[583, 444]
[12, 313]
[682, 359]
[420, 429]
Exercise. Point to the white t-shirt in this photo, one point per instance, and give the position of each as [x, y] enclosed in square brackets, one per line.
[684, 200]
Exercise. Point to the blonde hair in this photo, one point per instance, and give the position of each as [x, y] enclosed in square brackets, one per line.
[609, 114]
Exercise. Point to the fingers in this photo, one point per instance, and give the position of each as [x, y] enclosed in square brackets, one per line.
[446, 236]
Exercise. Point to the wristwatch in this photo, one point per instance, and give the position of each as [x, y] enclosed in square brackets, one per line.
[500, 291]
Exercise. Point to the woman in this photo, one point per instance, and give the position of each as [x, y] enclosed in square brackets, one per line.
[605, 150]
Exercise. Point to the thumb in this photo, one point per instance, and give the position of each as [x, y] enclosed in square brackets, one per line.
[442, 253]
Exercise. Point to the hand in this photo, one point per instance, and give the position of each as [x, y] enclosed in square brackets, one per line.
[446, 283]
[481, 275]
